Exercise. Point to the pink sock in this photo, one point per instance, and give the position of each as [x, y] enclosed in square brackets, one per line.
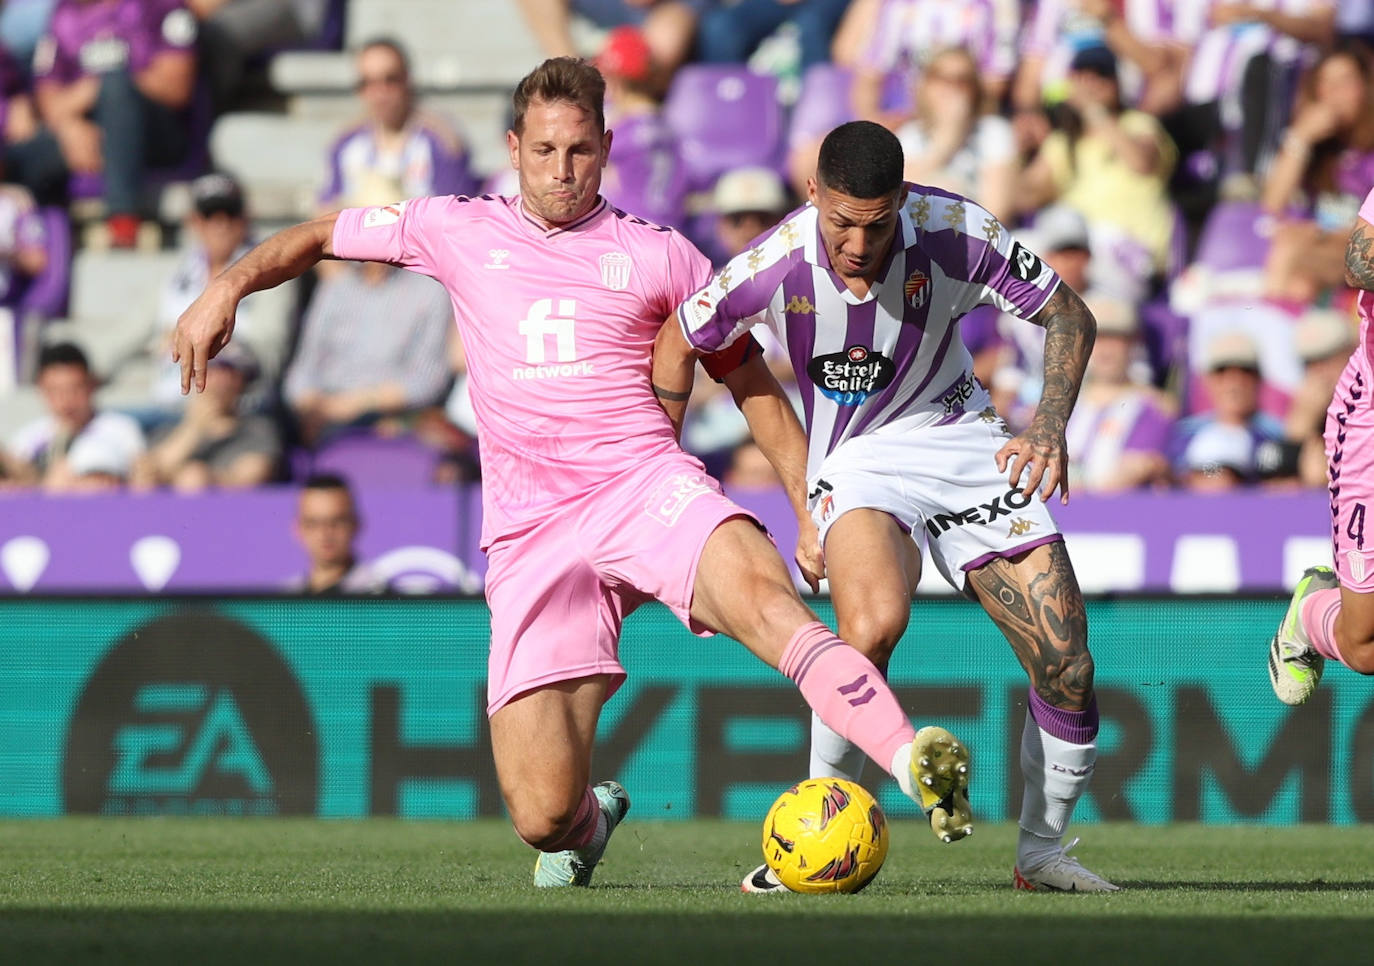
[1318, 615]
[583, 828]
[847, 691]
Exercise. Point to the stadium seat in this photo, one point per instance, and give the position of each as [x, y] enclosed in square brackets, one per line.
[725, 117]
[375, 461]
[280, 160]
[1232, 238]
[823, 103]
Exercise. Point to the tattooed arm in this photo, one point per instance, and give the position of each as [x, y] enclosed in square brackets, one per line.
[1359, 257]
[1069, 334]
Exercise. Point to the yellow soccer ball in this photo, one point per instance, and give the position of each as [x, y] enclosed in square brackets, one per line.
[825, 835]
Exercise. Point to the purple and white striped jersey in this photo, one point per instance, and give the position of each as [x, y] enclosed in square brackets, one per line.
[1220, 54]
[908, 32]
[894, 357]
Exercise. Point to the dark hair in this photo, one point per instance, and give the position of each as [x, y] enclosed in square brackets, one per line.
[1321, 169]
[391, 44]
[62, 354]
[561, 79]
[326, 481]
[861, 159]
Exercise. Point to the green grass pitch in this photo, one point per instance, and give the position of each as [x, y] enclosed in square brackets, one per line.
[200, 892]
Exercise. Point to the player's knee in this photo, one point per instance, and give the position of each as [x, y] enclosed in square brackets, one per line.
[1068, 683]
[874, 634]
[542, 826]
[1360, 657]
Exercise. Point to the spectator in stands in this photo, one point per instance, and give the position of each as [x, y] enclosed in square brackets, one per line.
[1010, 360]
[645, 175]
[747, 202]
[114, 81]
[1108, 152]
[217, 232]
[326, 526]
[372, 351]
[1239, 58]
[749, 469]
[398, 151]
[669, 26]
[74, 448]
[1324, 169]
[1118, 434]
[1324, 340]
[23, 257]
[234, 31]
[730, 33]
[952, 142]
[216, 444]
[905, 34]
[1143, 34]
[1217, 449]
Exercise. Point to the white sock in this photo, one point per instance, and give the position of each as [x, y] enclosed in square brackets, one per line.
[901, 770]
[1056, 773]
[832, 756]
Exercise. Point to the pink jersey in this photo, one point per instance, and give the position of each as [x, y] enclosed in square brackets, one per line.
[1350, 452]
[558, 326]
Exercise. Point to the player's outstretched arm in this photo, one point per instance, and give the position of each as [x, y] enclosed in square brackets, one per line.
[780, 437]
[206, 326]
[1359, 257]
[1070, 331]
[673, 371]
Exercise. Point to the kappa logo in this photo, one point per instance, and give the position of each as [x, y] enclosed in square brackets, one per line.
[799, 305]
[1020, 527]
[498, 258]
[983, 513]
[917, 288]
[1025, 264]
[383, 216]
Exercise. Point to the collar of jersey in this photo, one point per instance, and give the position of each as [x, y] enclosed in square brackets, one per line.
[823, 261]
[539, 228]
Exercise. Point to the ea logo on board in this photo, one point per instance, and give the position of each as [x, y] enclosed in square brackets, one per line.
[193, 714]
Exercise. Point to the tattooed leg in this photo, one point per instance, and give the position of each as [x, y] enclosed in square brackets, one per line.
[1034, 599]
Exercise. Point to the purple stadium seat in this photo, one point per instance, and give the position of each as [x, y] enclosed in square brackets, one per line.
[377, 461]
[725, 117]
[822, 105]
[1231, 239]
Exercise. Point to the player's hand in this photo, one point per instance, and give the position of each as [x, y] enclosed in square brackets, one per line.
[810, 558]
[202, 331]
[1042, 449]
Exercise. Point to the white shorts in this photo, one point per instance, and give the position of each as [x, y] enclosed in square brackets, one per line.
[941, 484]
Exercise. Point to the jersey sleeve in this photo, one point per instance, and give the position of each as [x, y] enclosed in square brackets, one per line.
[402, 233]
[970, 245]
[735, 299]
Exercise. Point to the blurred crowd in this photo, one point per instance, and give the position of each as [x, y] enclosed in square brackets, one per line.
[1192, 168]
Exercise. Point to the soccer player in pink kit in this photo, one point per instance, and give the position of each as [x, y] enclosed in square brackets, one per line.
[590, 507]
[1332, 611]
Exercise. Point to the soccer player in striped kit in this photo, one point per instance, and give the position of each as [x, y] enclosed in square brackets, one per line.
[864, 286]
[1331, 615]
[590, 507]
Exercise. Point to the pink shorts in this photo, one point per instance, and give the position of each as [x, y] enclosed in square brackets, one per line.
[559, 592]
[1350, 469]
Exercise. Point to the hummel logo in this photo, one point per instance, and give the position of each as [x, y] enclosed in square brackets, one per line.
[498, 258]
[1020, 527]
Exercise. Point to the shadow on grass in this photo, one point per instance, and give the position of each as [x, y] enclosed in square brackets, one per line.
[757, 933]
